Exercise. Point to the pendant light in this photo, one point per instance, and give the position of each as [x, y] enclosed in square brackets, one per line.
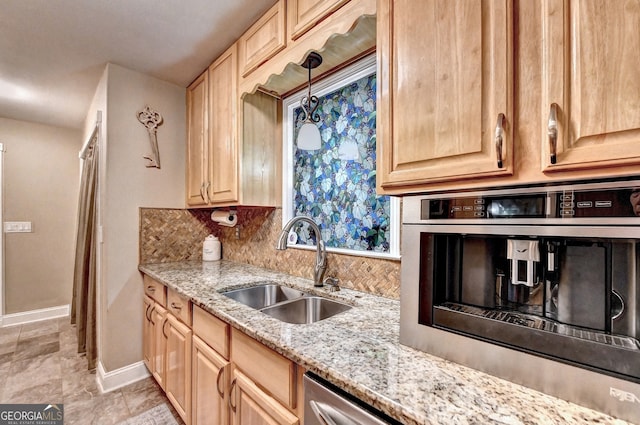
[309, 134]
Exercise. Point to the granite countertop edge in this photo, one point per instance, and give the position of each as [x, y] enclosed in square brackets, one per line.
[359, 351]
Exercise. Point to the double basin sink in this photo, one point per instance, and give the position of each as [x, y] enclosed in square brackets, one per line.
[287, 304]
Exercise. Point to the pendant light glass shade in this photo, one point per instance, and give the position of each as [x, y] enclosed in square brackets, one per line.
[309, 134]
[309, 137]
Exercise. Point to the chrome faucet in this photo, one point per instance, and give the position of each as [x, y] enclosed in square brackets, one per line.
[321, 251]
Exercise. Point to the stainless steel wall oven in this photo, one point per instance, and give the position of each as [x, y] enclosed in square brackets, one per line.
[539, 285]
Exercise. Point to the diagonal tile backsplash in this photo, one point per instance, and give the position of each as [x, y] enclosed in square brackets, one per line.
[168, 235]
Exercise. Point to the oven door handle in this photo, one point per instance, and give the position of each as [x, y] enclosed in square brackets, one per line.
[330, 415]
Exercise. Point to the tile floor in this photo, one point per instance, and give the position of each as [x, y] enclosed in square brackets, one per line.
[39, 364]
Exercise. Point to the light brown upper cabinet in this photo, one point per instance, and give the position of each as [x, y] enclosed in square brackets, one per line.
[227, 135]
[591, 74]
[304, 14]
[264, 39]
[223, 134]
[445, 91]
[234, 109]
[197, 141]
[212, 139]
[563, 72]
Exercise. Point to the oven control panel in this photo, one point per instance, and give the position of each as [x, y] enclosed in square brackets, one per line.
[567, 202]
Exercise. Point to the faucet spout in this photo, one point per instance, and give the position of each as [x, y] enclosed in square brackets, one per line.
[321, 251]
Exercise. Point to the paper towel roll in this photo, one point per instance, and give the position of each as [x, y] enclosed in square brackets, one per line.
[225, 218]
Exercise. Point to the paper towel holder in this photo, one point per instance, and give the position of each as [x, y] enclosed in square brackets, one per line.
[227, 218]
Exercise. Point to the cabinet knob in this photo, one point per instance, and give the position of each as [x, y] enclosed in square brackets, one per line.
[176, 306]
[552, 131]
[499, 138]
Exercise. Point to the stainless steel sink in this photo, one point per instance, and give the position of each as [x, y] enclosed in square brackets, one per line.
[262, 296]
[308, 309]
[287, 304]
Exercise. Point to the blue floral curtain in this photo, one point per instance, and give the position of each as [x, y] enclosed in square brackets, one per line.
[336, 185]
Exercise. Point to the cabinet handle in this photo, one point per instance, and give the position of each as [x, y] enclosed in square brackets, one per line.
[176, 306]
[231, 390]
[206, 192]
[220, 375]
[151, 288]
[202, 192]
[147, 314]
[552, 131]
[164, 325]
[499, 138]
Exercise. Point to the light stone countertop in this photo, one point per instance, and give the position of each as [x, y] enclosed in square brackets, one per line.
[358, 350]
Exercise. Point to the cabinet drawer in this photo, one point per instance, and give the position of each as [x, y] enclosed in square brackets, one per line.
[271, 371]
[179, 306]
[211, 330]
[263, 40]
[155, 290]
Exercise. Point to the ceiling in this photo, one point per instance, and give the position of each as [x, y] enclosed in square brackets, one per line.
[53, 52]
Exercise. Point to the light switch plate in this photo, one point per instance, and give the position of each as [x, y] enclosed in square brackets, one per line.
[17, 227]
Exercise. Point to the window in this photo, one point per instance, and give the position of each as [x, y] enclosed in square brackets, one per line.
[336, 185]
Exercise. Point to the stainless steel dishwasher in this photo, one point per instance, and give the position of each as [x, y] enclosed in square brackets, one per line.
[325, 404]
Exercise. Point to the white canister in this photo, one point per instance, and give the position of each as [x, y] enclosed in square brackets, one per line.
[211, 249]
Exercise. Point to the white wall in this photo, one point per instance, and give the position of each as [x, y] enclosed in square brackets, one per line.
[41, 186]
[128, 185]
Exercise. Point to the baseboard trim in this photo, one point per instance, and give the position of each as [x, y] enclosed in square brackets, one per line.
[34, 315]
[110, 381]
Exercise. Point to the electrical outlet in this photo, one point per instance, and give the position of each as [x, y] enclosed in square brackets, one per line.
[17, 227]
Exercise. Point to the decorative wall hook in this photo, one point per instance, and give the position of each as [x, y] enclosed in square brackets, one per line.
[151, 120]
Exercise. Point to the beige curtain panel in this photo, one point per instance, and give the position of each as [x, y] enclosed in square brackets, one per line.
[83, 304]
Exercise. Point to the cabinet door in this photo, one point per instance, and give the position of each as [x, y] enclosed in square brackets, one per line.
[209, 382]
[223, 147]
[178, 375]
[445, 74]
[263, 40]
[304, 14]
[197, 140]
[251, 405]
[159, 343]
[591, 71]
[147, 333]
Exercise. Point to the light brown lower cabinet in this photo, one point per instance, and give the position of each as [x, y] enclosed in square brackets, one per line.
[209, 383]
[178, 364]
[251, 405]
[158, 343]
[147, 332]
[214, 374]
